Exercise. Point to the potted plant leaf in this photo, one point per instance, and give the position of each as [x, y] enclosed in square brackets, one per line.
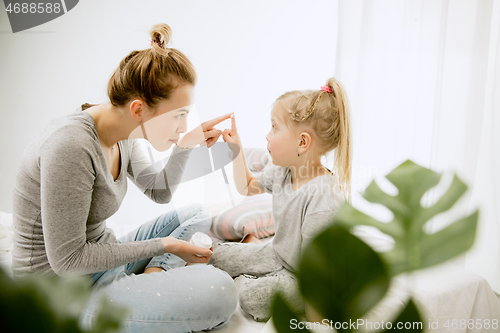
[52, 304]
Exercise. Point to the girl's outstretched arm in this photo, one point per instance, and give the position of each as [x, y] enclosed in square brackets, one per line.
[246, 182]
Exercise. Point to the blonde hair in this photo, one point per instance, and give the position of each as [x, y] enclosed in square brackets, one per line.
[328, 117]
[151, 74]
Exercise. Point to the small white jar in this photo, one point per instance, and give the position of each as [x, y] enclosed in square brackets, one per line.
[202, 240]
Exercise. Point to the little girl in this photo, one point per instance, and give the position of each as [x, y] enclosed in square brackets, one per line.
[305, 126]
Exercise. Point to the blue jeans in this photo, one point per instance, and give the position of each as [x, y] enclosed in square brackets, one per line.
[179, 299]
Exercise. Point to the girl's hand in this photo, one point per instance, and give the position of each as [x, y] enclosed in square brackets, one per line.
[186, 251]
[203, 134]
[232, 134]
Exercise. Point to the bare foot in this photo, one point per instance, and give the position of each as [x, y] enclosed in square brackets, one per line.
[153, 270]
[251, 239]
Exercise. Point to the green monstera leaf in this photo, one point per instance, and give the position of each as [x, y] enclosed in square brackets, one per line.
[285, 320]
[414, 247]
[52, 304]
[409, 320]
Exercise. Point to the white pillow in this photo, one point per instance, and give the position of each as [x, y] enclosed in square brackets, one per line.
[250, 217]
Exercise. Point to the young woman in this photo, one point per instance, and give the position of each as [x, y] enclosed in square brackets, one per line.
[73, 177]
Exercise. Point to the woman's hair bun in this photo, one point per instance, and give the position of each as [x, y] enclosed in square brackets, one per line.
[161, 35]
[153, 73]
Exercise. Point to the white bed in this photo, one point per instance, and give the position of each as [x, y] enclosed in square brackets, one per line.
[444, 293]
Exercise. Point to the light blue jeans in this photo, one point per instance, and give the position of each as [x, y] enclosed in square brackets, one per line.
[179, 299]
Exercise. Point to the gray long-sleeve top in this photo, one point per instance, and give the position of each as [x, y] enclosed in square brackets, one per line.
[64, 192]
[299, 215]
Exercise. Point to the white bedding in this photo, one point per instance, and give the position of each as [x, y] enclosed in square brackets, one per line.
[444, 293]
[447, 295]
[5, 241]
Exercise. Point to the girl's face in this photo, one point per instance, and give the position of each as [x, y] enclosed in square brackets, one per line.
[282, 141]
[169, 119]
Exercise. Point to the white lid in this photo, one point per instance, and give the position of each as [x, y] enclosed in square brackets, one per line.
[202, 240]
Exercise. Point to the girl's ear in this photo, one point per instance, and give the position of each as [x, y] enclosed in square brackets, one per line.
[305, 142]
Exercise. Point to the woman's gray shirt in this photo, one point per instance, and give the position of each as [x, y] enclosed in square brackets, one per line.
[64, 192]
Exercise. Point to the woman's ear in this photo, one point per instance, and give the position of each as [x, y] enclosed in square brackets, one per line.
[137, 111]
[137, 107]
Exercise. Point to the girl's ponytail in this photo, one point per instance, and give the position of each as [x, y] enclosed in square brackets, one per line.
[343, 151]
[327, 114]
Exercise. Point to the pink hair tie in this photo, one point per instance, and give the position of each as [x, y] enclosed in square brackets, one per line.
[157, 43]
[327, 89]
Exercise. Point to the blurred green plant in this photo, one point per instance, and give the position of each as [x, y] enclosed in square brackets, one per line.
[53, 305]
[414, 248]
[342, 278]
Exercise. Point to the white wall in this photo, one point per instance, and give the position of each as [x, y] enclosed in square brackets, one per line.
[246, 54]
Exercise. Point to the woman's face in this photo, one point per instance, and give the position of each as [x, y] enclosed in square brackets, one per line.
[282, 142]
[165, 123]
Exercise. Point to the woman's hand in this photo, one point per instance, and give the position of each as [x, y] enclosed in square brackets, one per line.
[203, 134]
[186, 251]
[231, 135]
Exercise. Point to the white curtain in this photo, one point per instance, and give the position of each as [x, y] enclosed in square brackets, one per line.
[423, 77]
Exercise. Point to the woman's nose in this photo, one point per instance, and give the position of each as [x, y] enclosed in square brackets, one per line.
[182, 126]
